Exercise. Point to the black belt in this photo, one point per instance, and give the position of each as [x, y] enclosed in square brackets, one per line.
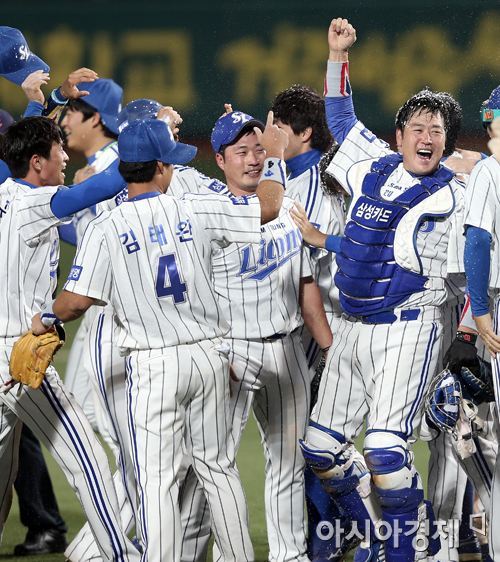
[276, 337]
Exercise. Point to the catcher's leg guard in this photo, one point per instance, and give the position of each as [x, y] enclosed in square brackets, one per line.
[408, 523]
[332, 459]
[322, 515]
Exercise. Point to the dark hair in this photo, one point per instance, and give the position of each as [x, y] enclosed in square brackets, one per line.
[137, 172]
[301, 107]
[435, 103]
[88, 112]
[26, 137]
[245, 131]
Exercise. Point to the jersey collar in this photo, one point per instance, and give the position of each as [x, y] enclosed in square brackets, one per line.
[26, 183]
[145, 196]
[94, 157]
[302, 162]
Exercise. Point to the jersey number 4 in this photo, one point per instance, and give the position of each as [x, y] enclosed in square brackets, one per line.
[167, 269]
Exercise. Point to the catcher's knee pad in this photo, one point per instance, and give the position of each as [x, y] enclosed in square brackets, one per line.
[389, 459]
[326, 452]
[408, 527]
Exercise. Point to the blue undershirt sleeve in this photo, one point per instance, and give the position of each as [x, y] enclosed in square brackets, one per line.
[477, 268]
[102, 186]
[67, 233]
[340, 116]
[332, 243]
[34, 108]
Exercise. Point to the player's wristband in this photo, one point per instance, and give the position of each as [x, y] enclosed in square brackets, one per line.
[57, 97]
[274, 170]
[48, 317]
[465, 337]
[337, 80]
[325, 350]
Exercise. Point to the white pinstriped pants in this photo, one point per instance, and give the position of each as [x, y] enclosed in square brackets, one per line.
[377, 372]
[179, 397]
[57, 420]
[275, 383]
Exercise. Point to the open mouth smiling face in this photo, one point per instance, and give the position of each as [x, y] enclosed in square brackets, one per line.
[422, 143]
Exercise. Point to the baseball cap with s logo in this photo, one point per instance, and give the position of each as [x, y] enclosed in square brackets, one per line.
[17, 62]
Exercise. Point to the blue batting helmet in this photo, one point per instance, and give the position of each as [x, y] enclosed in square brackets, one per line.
[491, 107]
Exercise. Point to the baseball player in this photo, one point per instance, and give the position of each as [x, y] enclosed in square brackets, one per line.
[481, 259]
[402, 239]
[161, 250]
[107, 367]
[300, 111]
[32, 206]
[90, 127]
[259, 288]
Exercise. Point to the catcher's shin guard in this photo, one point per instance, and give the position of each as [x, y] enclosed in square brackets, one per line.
[409, 524]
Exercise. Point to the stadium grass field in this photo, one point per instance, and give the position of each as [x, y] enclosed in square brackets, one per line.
[250, 463]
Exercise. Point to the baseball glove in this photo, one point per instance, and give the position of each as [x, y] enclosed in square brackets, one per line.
[477, 384]
[31, 355]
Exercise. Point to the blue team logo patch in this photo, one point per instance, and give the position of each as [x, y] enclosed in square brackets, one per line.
[75, 273]
[427, 226]
[217, 186]
[242, 200]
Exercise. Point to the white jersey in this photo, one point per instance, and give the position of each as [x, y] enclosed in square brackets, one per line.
[482, 208]
[436, 249]
[327, 213]
[101, 160]
[31, 253]
[257, 285]
[151, 259]
[188, 180]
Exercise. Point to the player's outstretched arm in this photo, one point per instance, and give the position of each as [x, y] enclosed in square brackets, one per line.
[172, 118]
[341, 37]
[313, 312]
[66, 308]
[272, 182]
[310, 234]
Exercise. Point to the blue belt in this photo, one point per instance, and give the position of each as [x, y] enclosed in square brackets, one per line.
[389, 317]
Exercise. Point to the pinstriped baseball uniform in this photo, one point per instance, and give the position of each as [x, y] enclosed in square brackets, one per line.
[482, 204]
[108, 372]
[380, 371]
[257, 287]
[151, 259]
[327, 213]
[30, 246]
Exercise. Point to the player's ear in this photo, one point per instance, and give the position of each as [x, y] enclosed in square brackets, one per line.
[95, 119]
[36, 162]
[306, 134]
[399, 139]
[220, 160]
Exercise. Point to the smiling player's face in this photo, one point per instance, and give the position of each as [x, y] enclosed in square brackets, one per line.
[422, 143]
[52, 169]
[242, 164]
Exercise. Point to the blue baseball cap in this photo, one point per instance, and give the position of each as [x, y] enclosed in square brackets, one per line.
[229, 126]
[138, 109]
[151, 139]
[105, 96]
[491, 107]
[17, 62]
